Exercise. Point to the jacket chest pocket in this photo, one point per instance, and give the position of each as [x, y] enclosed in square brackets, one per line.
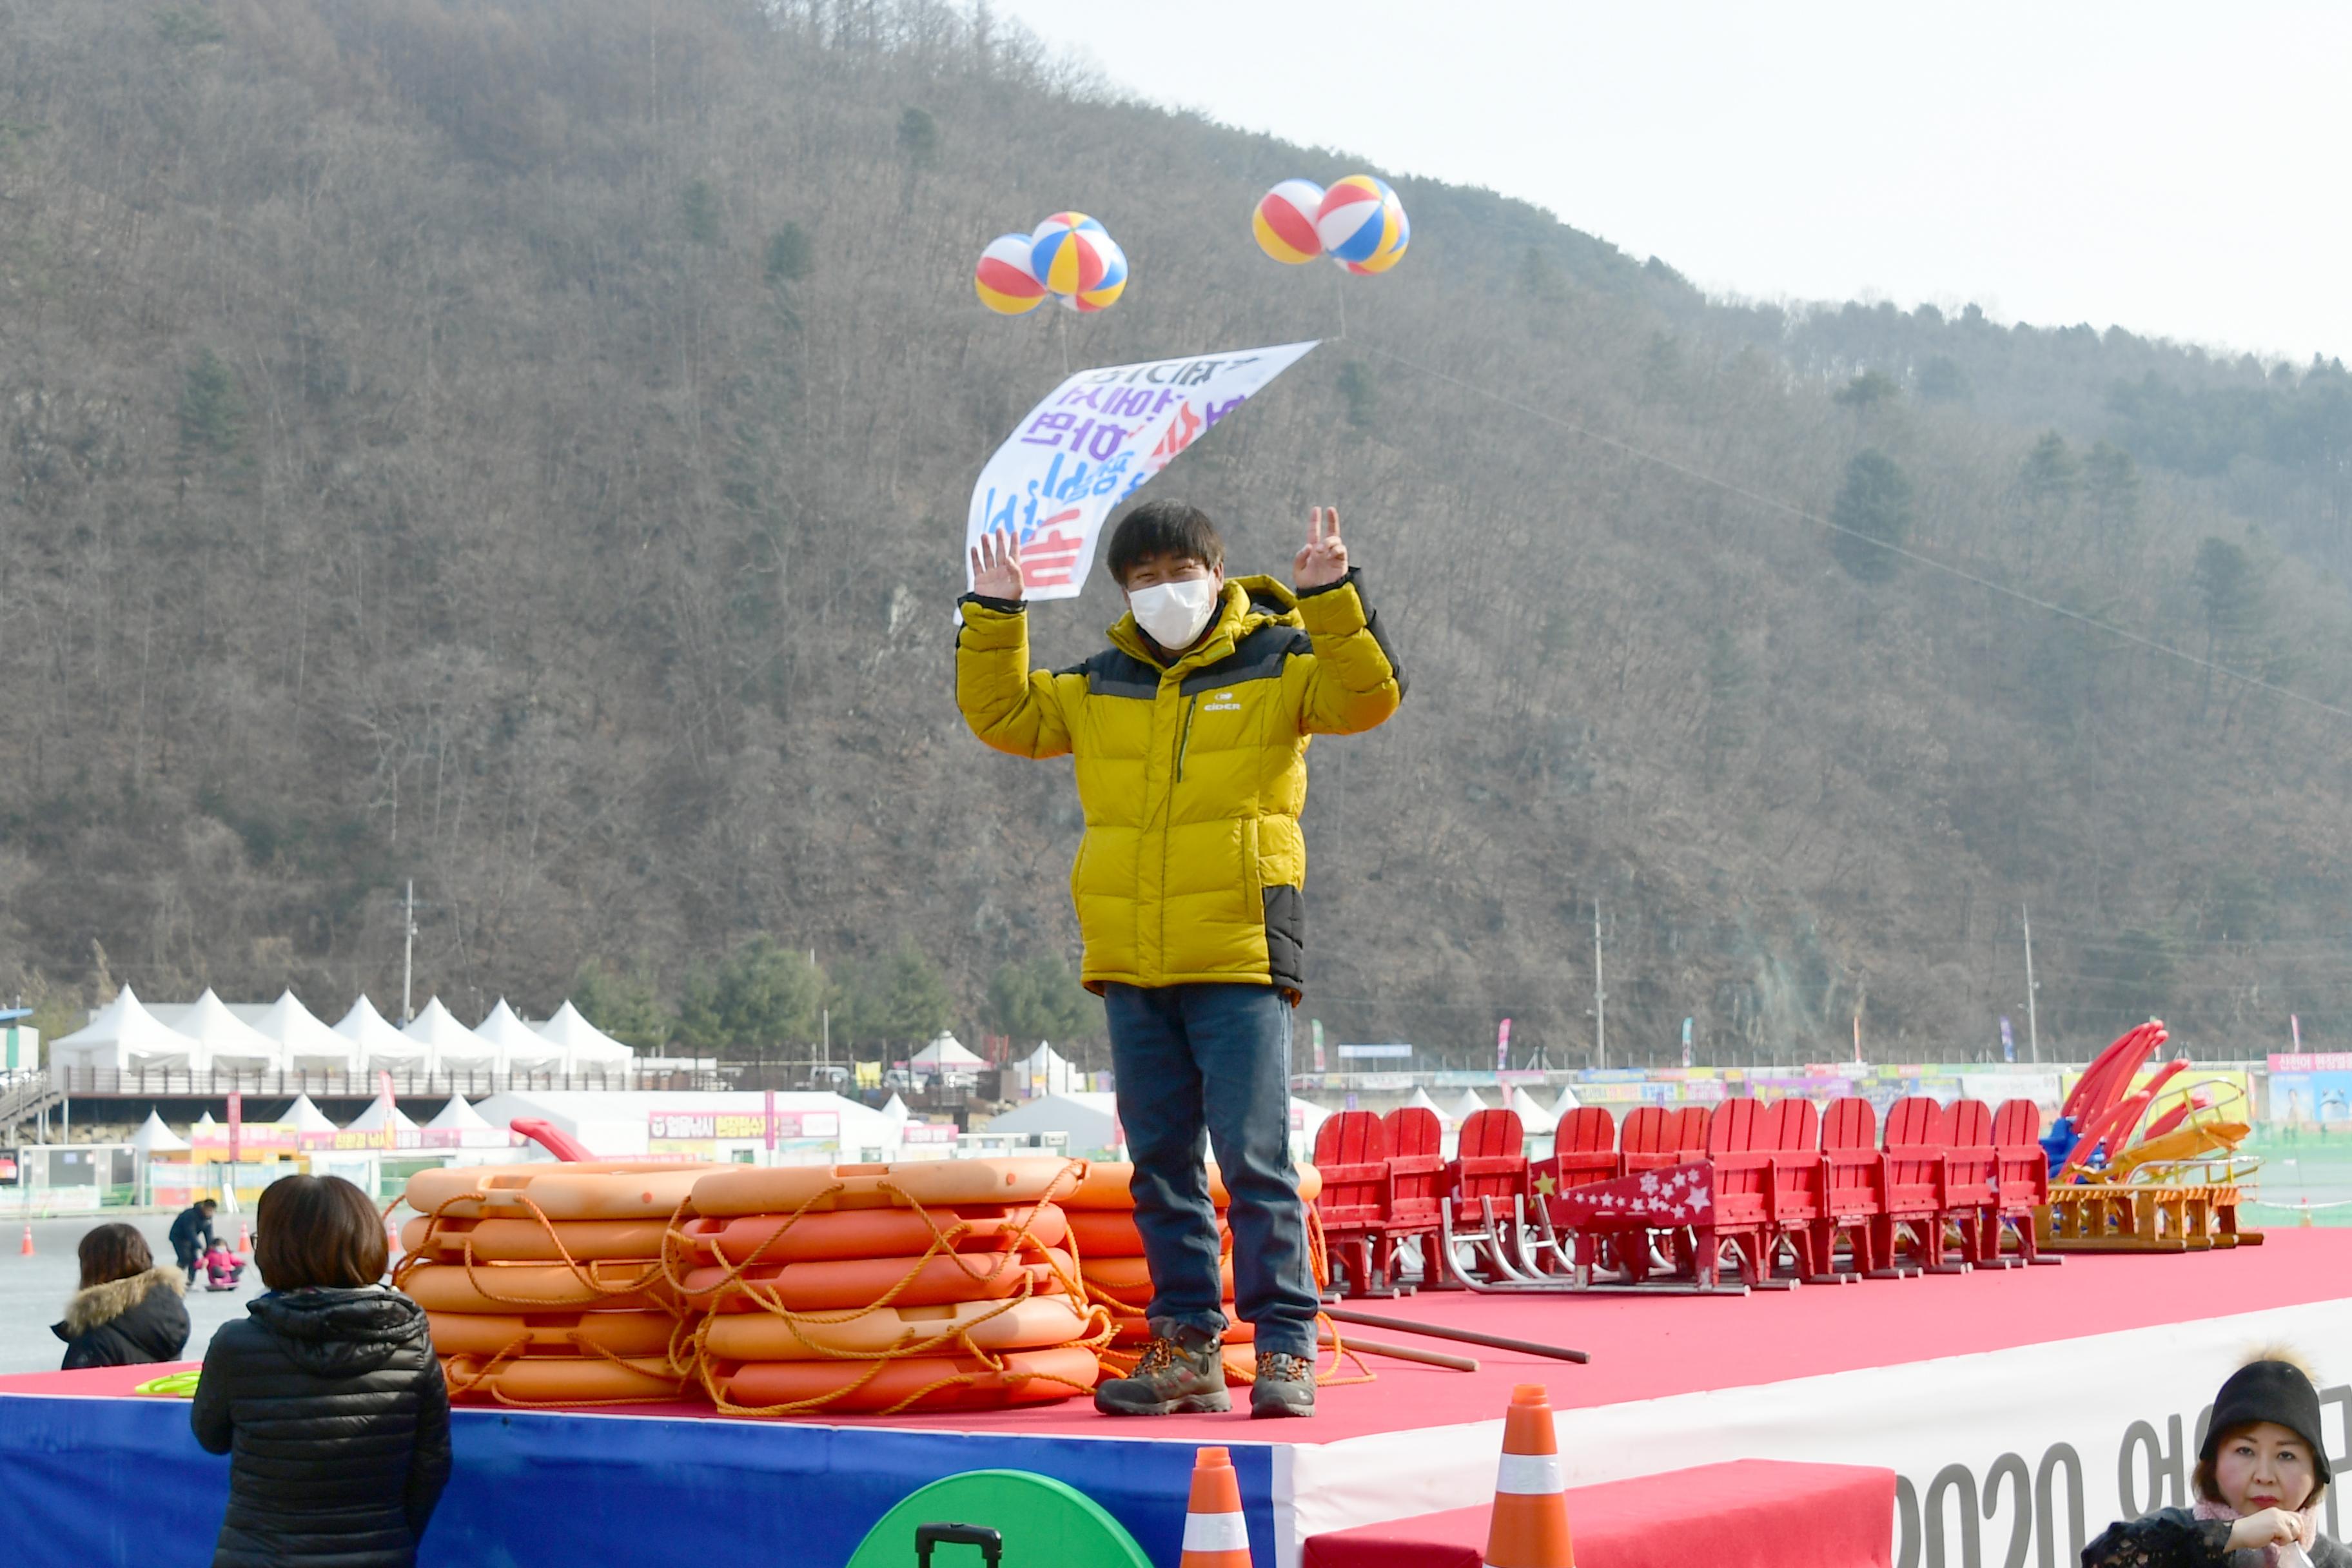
[1222, 718]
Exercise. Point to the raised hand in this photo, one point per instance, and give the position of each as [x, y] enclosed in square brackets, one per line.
[2271, 1527]
[996, 566]
[1324, 559]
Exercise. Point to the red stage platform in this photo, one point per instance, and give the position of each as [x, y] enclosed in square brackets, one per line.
[2004, 1401]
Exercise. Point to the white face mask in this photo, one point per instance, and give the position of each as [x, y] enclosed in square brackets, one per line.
[1172, 613]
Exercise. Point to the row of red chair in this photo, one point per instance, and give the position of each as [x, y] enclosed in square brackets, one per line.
[1792, 1190]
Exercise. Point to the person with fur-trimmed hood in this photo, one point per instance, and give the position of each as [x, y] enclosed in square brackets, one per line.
[128, 1312]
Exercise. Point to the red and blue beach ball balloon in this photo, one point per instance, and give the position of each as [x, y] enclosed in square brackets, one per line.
[1074, 257]
[1362, 225]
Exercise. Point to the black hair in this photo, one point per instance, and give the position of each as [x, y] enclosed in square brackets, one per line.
[1164, 528]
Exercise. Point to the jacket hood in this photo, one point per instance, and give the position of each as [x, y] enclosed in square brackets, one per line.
[341, 1333]
[102, 1304]
[1246, 604]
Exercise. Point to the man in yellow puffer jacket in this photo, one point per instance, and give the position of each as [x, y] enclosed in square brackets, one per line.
[1190, 734]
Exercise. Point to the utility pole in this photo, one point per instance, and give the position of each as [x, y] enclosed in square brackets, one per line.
[408, 957]
[1599, 996]
[2033, 1035]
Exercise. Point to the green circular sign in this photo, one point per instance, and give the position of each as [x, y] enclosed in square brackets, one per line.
[1046, 1525]
[170, 1385]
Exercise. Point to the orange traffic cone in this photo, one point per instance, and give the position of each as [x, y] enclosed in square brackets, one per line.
[1215, 1534]
[1530, 1520]
[27, 1249]
[244, 1239]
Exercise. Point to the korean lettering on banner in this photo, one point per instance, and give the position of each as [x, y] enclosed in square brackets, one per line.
[1092, 442]
[742, 1125]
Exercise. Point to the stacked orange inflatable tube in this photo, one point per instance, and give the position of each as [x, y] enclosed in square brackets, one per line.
[544, 1284]
[1103, 1230]
[937, 1285]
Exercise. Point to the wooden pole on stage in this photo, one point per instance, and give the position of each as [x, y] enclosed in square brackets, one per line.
[1465, 1336]
[1402, 1352]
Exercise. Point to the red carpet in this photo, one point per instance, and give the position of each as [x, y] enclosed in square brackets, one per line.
[1756, 1514]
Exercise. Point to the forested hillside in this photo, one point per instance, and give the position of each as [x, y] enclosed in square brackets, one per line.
[523, 446]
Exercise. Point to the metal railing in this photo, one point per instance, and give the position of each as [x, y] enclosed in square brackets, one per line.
[167, 1083]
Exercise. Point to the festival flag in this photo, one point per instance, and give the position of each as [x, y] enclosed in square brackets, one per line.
[1093, 441]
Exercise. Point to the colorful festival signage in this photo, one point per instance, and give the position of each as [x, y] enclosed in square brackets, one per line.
[1092, 442]
[742, 1124]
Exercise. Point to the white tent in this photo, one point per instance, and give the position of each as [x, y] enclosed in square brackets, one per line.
[1421, 1101]
[205, 1123]
[1046, 1071]
[523, 1048]
[450, 1046]
[895, 1109]
[381, 1048]
[1468, 1106]
[1564, 1104]
[1090, 1120]
[227, 1041]
[585, 1046]
[1307, 1118]
[380, 1115]
[304, 1116]
[945, 1054]
[459, 1116]
[155, 1138]
[123, 1037]
[309, 1046]
[1533, 1118]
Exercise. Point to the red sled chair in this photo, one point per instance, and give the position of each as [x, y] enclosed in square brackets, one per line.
[1485, 1205]
[1917, 1204]
[1742, 1220]
[1584, 1154]
[1971, 1172]
[1791, 1129]
[1351, 1152]
[1854, 1198]
[1412, 1208]
[2023, 1175]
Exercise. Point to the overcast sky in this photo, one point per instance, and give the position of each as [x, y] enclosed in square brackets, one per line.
[2180, 170]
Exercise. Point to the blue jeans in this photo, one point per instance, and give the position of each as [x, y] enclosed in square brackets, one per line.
[1203, 1064]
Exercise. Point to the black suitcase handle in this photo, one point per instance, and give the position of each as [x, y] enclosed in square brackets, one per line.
[991, 1543]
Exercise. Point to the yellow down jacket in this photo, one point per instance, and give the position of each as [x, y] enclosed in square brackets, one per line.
[1191, 774]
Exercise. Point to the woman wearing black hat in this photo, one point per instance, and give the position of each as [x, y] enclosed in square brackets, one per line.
[2258, 1482]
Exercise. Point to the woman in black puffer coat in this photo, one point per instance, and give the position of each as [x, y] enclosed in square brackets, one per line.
[127, 1311]
[327, 1398]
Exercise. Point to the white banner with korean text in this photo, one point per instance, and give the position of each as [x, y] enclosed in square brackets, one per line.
[1092, 442]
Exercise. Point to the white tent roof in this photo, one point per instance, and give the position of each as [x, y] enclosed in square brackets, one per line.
[228, 1040]
[1468, 1106]
[583, 1042]
[304, 1116]
[1533, 1118]
[1421, 1101]
[380, 1115]
[460, 1115]
[380, 1045]
[523, 1048]
[204, 1121]
[307, 1043]
[946, 1051]
[1090, 1120]
[450, 1044]
[125, 1036]
[895, 1109]
[155, 1138]
[1565, 1103]
[1049, 1064]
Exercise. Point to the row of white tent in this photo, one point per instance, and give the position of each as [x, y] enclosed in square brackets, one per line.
[1533, 1117]
[211, 1036]
[302, 1116]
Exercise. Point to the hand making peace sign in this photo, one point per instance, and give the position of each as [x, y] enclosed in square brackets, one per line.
[1324, 559]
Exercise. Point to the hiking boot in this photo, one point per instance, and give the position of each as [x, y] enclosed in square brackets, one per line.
[1285, 1386]
[1184, 1375]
